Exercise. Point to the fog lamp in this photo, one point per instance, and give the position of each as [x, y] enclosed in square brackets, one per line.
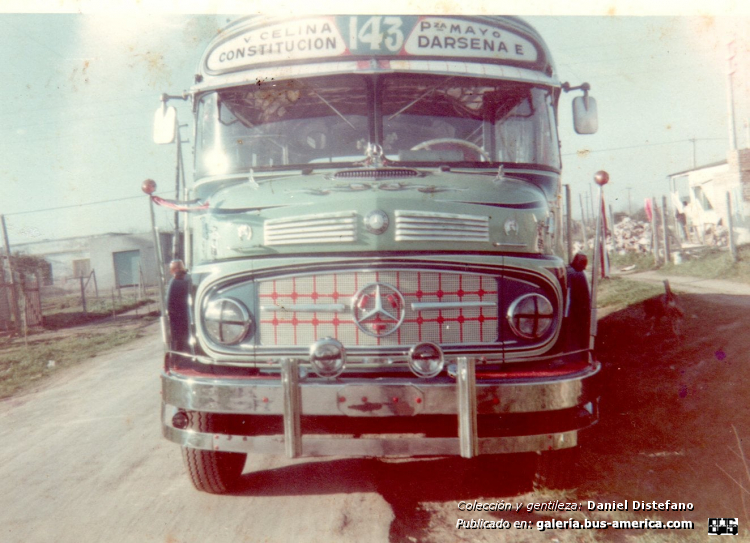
[327, 357]
[426, 360]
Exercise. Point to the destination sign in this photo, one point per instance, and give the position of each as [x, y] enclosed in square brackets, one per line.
[440, 36]
[369, 35]
[293, 40]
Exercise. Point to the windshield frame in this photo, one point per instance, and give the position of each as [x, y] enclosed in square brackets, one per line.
[373, 85]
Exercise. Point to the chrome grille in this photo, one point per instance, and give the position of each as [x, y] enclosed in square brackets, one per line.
[440, 307]
[318, 228]
[376, 174]
[429, 226]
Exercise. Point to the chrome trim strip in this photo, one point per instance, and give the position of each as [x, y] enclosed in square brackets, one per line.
[510, 245]
[425, 306]
[333, 239]
[471, 69]
[434, 237]
[399, 445]
[307, 308]
[433, 215]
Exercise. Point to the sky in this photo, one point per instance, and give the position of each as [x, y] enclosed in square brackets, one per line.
[80, 91]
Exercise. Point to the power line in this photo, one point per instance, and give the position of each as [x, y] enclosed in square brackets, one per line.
[80, 205]
[72, 206]
[641, 145]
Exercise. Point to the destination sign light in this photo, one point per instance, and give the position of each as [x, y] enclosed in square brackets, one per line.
[372, 36]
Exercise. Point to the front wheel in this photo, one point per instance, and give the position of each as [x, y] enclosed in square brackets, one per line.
[215, 472]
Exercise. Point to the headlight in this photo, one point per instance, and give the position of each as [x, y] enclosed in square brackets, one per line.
[531, 316]
[227, 321]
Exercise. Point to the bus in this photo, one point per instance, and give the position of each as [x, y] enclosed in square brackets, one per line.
[375, 245]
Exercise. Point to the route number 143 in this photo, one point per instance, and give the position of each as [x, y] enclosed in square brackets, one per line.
[376, 31]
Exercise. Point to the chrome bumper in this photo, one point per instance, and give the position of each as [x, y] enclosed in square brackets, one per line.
[290, 397]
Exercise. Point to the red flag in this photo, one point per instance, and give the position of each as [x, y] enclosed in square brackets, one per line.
[177, 205]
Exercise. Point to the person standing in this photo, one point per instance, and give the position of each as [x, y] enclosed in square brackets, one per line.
[178, 310]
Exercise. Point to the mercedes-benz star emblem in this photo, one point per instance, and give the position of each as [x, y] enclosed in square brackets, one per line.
[379, 309]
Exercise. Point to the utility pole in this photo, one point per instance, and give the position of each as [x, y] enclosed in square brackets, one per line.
[12, 284]
[583, 224]
[731, 68]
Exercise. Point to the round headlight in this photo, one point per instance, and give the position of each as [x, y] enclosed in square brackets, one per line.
[426, 360]
[328, 357]
[227, 321]
[530, 316]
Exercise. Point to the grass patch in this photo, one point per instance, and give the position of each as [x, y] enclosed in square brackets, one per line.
[714, 263]
[619, 292]
[641, 261]
[66, 311]
[23, 365]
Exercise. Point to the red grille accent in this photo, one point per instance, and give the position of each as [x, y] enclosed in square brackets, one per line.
[281, 324]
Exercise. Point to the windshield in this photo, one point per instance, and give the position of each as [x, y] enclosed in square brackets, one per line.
[415, 118]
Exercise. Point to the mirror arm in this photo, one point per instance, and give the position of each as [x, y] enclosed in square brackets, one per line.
[585, 87]
[167, 97]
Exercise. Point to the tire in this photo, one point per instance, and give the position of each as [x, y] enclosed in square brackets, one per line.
[215, 472]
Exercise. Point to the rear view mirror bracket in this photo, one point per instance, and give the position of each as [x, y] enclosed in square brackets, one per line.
[585, 115]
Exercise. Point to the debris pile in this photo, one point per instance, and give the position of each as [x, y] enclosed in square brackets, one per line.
[632, 236]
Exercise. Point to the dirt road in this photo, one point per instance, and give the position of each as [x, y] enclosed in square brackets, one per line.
[82, 460]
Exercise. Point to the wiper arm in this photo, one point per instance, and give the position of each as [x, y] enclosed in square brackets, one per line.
[425, 93]
[336, 111]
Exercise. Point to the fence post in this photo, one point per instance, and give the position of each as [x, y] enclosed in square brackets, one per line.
[96, 286]
[730, 225]
[83, 295]
[666, 230]
[654, 232]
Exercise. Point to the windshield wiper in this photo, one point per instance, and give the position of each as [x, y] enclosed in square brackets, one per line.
[336, 111]
[425, 93]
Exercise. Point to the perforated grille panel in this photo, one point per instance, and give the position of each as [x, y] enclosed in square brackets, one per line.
[452, 308]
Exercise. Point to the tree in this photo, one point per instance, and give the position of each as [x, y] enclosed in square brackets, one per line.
[30, 265]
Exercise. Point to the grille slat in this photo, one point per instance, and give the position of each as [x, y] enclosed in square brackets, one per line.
[475, 322]
[428, 226]
[318, 228]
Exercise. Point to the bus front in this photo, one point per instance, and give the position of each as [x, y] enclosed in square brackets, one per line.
[375, 271]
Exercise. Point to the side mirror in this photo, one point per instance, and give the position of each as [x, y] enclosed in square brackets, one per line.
[165, 121]
[585, 117]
